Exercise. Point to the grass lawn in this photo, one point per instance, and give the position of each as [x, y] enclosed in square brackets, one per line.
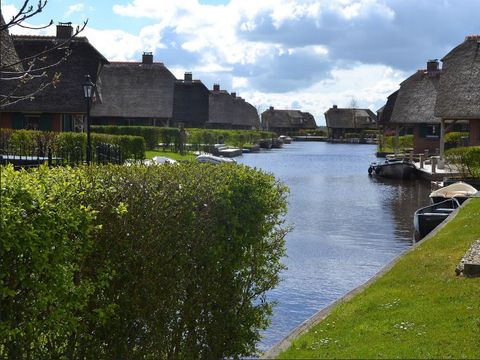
[418, 309]
[170, 154]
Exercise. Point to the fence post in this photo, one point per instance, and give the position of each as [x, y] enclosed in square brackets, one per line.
[49, 156]
[421, 160]
[434, 164]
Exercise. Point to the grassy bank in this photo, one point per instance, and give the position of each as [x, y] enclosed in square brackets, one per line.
[170, 154]
[418, 309]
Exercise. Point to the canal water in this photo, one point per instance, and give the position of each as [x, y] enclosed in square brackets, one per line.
[347, 225]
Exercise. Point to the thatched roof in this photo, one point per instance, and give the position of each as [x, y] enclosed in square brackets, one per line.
[459, 90]
[135, 90]
[220, 108]
[350, 118]
[416, 98]
[190, 102]
[386, 112]
[245, 115]
[287, 119]
[67, 96]
[9, 59]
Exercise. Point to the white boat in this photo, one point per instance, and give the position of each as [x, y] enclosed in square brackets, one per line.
[285, 138]
[211, 159]
[459, 190]
[163, 160]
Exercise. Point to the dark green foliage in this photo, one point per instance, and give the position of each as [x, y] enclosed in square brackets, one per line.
[390, 143]
[147, 262]
[45, 236]
[455, 139]
[466, 160]
[151, 134]
[209, 137]
[69, 145]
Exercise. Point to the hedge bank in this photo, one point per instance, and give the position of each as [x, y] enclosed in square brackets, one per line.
[138, 262]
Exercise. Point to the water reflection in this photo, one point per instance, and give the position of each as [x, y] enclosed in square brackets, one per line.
[348, 225]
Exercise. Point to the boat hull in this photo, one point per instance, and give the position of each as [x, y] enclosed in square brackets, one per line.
[395, 170]
[429, 217]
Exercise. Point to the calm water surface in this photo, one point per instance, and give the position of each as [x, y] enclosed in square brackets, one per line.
[347, 225]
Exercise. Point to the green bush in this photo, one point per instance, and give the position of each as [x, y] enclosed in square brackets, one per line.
[151, 134]
[387, 143]
[465, 160]
[454, 139]
[138, 262]
[131, 147]
[46, 236]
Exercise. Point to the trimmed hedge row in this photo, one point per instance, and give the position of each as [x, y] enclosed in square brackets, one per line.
[170, 137]
[132, 262]
[27, 142]
[466, 160]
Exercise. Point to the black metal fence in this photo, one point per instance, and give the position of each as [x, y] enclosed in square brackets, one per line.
[24, 158]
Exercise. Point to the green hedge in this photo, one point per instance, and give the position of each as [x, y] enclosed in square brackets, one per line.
[198, 137]
[387, 143]
[152, 135]
[138, 262]
[67, 144]
[455, 139]
[466, 160]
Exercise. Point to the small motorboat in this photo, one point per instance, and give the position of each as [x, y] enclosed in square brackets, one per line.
[163, 160]
[393, 168]
[211, 159]
[459, 190]
[285, 138]
[429, 217]
[277, 143]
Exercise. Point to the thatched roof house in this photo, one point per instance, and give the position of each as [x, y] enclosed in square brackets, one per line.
[220, 109]
[245, 115]
[459, 89]
[139, 93]
[283, 121]
[9, 59]
[348, 120]
[414, 108]
[190, 102]
[57, 107]
[384, 115]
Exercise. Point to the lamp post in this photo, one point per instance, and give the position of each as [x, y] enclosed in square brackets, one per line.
[88, 88]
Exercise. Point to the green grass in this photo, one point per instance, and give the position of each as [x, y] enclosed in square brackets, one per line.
[418, 309]
[170, 154]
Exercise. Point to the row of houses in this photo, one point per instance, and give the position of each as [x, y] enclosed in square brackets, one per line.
[127, 93]
[343, 121]
[437, 100]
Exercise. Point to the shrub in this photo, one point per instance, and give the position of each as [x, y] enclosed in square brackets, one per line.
[46, 235]
[455, 139]
[387, 143]
[466, 160]
[138, 262]
[151, 134]
[131, 147]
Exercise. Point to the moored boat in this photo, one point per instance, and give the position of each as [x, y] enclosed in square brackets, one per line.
[395, 169]
[266, 144]
[429, 217]
[285, 138]
[459, 190]
[211, 159]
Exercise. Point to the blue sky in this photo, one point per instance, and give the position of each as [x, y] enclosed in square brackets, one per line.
[305, 54]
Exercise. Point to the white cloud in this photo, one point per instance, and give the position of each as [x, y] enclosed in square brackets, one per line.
[75, 8]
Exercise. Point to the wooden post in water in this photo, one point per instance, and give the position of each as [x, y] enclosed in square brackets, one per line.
[434, 164]
[410, 155]
[421, 160]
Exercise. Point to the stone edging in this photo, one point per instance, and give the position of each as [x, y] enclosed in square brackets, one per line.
[285, 343]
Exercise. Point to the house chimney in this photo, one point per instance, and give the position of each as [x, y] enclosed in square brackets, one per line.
[216, 87]
[64, 30]
[432, 67]
[234, 95]
[188, 77]
[272, 108]
[147, 58]
[335, 107]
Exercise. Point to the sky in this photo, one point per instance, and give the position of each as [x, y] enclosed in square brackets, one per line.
[290, 54]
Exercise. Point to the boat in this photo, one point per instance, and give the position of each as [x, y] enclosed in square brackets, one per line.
[211, 159]
[266, 144]
[277, 143]
[429, 217]
[393, 168]
[285, 138]
[459, 190]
